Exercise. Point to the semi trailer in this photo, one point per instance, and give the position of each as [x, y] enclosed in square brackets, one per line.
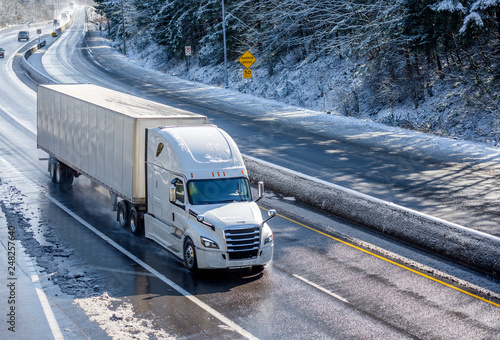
[171, 176]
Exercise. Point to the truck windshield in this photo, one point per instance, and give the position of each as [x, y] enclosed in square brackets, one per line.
[214, 191]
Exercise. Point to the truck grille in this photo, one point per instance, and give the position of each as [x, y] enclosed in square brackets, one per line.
[242, 243]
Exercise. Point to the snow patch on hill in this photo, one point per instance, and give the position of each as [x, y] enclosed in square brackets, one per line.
[338, 86]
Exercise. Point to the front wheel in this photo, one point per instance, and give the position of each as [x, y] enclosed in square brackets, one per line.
[190, 256]
[257, 269]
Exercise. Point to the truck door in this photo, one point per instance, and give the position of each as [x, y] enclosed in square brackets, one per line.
[157, 193]
[177, 217]
[158, 181]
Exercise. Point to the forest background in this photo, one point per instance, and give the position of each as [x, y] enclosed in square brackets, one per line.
[428, 65]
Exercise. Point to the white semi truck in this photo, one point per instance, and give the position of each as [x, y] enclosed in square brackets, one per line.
[171, 176]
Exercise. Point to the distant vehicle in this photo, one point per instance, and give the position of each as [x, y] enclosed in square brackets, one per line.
[2, 52]
[23, 35]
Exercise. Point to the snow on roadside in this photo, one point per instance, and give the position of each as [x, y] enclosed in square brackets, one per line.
[119, 322]
[72, 286]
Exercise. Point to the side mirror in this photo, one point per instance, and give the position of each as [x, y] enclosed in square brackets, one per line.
[260, 188]
[271, 213]
[171, 196]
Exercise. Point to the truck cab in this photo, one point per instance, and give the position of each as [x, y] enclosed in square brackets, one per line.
[199, 202]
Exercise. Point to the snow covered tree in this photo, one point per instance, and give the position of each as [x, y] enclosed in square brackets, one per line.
[23, 11]
[483, 15]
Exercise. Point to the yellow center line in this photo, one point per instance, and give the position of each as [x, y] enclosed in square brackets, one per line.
[389, 261]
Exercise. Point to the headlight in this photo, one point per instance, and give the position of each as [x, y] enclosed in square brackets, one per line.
[208, 243]
[268, 239]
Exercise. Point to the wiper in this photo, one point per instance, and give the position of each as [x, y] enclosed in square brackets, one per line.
[228, 201]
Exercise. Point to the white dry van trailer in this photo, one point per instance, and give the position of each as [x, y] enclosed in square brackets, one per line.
[171, 176]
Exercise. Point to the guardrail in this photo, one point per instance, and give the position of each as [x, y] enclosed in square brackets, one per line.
[467, 246]
[34, 74]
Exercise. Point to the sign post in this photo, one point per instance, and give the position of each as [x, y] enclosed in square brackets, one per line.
[187, 50]
[39, 32]
[247, 60]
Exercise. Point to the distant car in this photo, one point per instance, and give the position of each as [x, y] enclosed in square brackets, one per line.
[23, 35]
[2, 52]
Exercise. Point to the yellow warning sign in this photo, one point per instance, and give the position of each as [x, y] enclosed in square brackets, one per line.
[247, 73]
[247, 59]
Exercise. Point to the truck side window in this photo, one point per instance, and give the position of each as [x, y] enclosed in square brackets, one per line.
[159, 149]
[179, 190]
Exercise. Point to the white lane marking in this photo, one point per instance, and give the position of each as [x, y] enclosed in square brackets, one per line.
[153, 271]
[47, 310]
[10, 71]
[42, 297]
[22, 124]
[324, 290]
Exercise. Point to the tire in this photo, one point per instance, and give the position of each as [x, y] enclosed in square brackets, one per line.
[52, 171]
[122, 214]
[61, 174]
[58, 173]
[190, 256]
[257, 269]
[68, 177]
[135, 222]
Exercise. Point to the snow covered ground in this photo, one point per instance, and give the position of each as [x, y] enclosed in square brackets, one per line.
[367, 132]
[331, 85]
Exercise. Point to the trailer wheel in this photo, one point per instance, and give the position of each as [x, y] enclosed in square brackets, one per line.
[135, 222]
[67, 175]
[122, 214]
[58, 173]
[52, 171]
[190, 256]
[62, 174]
